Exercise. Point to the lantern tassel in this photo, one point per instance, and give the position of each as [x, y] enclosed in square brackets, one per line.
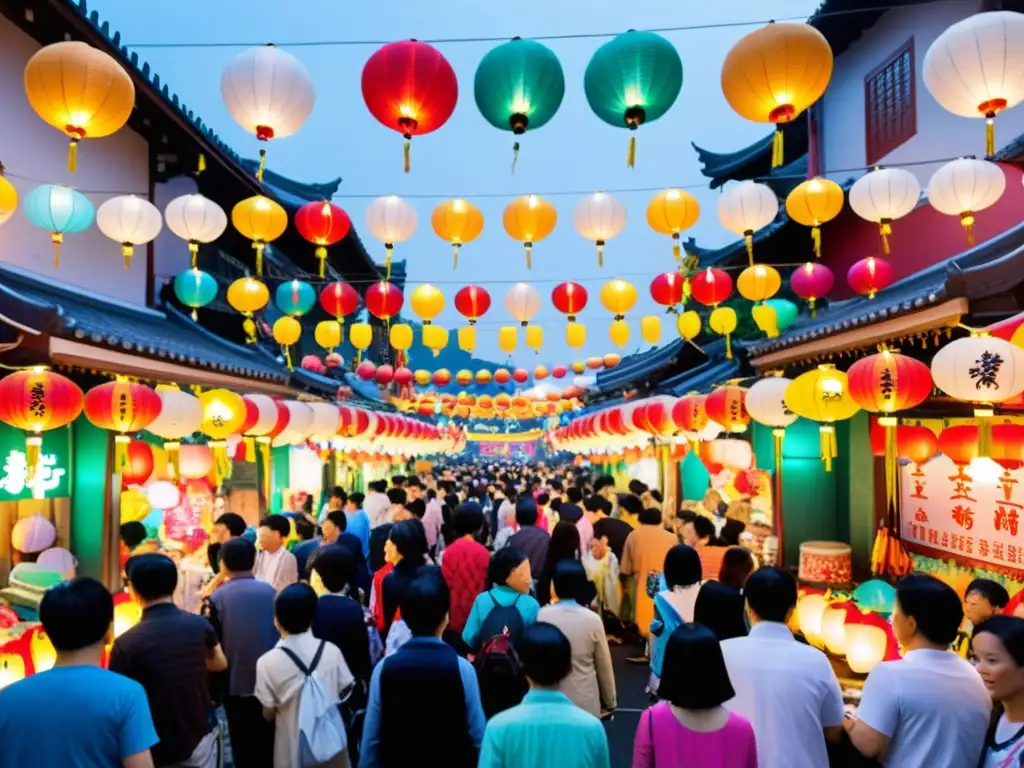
[407, 149]
[990, 136]
[891, 466]
[829, 449]
[777, 147]
[173, 450]
[250, 328]
[33, 450]
[219, 449]
[984, 417]
[263, 166]
[73, 156]
[388, 247]
[677, 249]
[885, 228]
[200, 164]
[321, 253]
[195, 314]
[967, 221]
[748, 238]
[193, 248]
[529, 255]
[455, 255]
[600, 253]
[515, 155]
[812, 308]
[631, 153]
[250, 449]
[728, 346]
[264, 447]
[287, 356]
[121, 443]
[816, 239]
[127, 251]
[56, 238]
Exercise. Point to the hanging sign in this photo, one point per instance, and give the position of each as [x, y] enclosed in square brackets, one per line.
[51, 480]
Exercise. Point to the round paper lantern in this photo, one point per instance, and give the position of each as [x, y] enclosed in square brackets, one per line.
[361, 336]
[711, 286]
[135, 506]
[671, 212]
[869, 276]
[400, 336]
[773, 74]
[735, 454]
[180, 416]
[618, 332]
[540, 372]
[295, 298]
[610, 360]
[865, 646]
[464, 378]
[260, 219]
[559, 372]
[520, 375]
[196, 220]
[140, 462]
[766, 402]
[196, 463]
[248, 295]
[667, 289]
[959, 444]
[823, 395]
[519, 85]
[59, 560]
[33, 534]
[965, 186]
[483, 377]
[457, 222]
[745, 208]
[391, 220]
[502, 376]
[366, 370]
[442, 377]
[79, 90]
[268, 92]
[811, 282]
[915, 443]
[287, 331]
[195, 289]
[339, 299]
[813, 203]
[472, 302]
[427, 302]
[122, 407]
[522, 302]
[223, 413]
[130, 221]
[384, 300]
[723, 321]
[569, 298]
[599, 217]
[975, 67]
[312, 363]
[758, 282]
[328, 334]
[618, 297]
[650, 329]
[322, 223]
[888, 382]
[1008, 446]
[785, 312]
[884, 195]
[726, 405]
[979, 369]
[59, 210]
[529, 219]
[633, 79]
[8, 198]
[37, 400]
[689, 325]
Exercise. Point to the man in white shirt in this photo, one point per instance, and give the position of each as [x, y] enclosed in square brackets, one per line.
[786, 689]
[376, 504]
[274, 564]
[931, 708]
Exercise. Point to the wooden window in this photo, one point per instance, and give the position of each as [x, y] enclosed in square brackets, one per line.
[890, 105]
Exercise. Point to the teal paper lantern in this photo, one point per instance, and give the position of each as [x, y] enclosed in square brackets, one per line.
[195, 288]
[295, 297]
[875, 595]
[785, 313]
[60, 210]
[694, 477]
[633, 79]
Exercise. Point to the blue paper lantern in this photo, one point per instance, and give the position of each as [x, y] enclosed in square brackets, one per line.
[785, 313]
[60, 210]
[875, 595]
[295, 297]
[195, 288]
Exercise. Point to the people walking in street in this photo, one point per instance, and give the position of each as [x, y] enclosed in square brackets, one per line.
[529, 538]
[510, 580]
[275, 565]
[465, 564]
[643, 559]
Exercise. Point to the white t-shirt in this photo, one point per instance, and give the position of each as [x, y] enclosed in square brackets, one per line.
[378, 508]
[932, 705]
[789, 693]
[279, 569]
[1007, 749]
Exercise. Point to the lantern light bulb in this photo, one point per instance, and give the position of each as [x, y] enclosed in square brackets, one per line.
[520, 105]
[814, 185]
[262, 203]
[80, 118]
[459, 205]
[532, 201]
[673, 194]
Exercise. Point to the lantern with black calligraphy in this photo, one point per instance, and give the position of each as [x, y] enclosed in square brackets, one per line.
[123, 407]
[726, 405]
[823, 395]
[223, 413]
[36, 401]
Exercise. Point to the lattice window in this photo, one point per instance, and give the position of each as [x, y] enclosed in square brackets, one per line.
[890, 106]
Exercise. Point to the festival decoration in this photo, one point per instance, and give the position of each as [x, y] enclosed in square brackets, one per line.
[773, 74]
[223, 413]
[689, 325]
[884, 195]
[248, 295]
[442, 377]
[360, 335]
[529, 219]
[965, 186]
[457, 222]
[294, 298]
[121, 406]
[366, 370]
[196, 220]
[869, 276]
[287, 331]
[130, 221]
[711, 287]
[262, 414]
[650, 329]
[633, 79]
[339, 299]
[671, 212]
[823, 395]
[260, 219]
[618, 332]
[765, 402]
[575, 335]
[38, 400]
[196, 464]
[426, 302]
[618, 297]
[811, 282]
[400, 336]
[472, 302]
[599, 217]
[60, 210]
[758, 282]
[180, 415]
[79, 90]
[384, 300]
[669, 290]
[522, 302]
[391, 220]
[410, 87]
[785, 312]
[915, 443]
[195, 289]
[814, 203]
[723, 321]
[745, 208]
[726, 405]
[33, 533]
[8, 198]
[135, 506]
[322, 223]
[141, 461]
[435, 338]
[569, 298]
[865, 644]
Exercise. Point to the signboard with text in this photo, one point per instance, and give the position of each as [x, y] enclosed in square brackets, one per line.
[508, 449]
[51, 480]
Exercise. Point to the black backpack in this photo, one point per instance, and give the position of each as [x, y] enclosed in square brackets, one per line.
[498, 669]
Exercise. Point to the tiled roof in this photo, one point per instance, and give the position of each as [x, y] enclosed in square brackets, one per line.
[702, 378]
[291, 193]
[755, 160]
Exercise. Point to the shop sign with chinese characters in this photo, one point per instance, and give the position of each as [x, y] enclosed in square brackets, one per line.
[971, 511]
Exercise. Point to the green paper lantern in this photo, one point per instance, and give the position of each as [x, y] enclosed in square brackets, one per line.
[195, 289]
[785, 313]
[633, 79]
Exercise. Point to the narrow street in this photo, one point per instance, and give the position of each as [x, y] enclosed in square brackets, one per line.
[630, 680]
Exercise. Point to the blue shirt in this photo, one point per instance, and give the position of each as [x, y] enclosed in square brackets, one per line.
[359, 526]
[242, 613]
[74, 717]
[546, 731]
[302, 551]
[369, 756]
[528, 608]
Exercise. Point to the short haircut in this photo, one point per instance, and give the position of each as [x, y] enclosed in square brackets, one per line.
[357, 499]
[339, 518]
[468, 518]
[380, 486]
[771, 593]
[631, 504]
[426, 601]
[234, 523]
[569, 579]
[503, 562]
[682, 567]
[511, 493]
[595, 503]
[413, 482]
[304, 529]
[737, 565]
[650, 516]
[542, 499]
[153, 576]
[687, 516]
[336, 567]
[295, 608]
[526, 511]
[704, 528]
[574, 495]
[277, 523]
[656, 495]
[76, 614]
[417, 508]
[337, 492]
[992, 591]
[398, 480]
[570, 513]
[693, 675]
[603, 481]
[556, 485]
[933, 604]
[397, 496]
[410, 539]
[556, 504]
[133, 534]
[431, 494]
[1009, 630]
[238, 555]
[546, 654]
[637, 487]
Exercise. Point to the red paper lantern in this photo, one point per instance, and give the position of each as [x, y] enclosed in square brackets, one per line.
[631, 455]
[888, 382]
[339, 299]
[654, 417]
[403, 376]
[366, 370]
[667, 288]
[876, 433]
[472, 302]
[122, 406]
[915, 443]
[312, 363]
[869, 276]
[811, 282]
[559, 371]
[959, 443]
[36, 401]
[384, 374]
[384, 300]
[140, 464]
[520, 375]
[410, 87]
[569, 298]
[1008, 445]
[502, 376]
[727, 406]
[711, 287]
[442, 377]
[322, 223]
[689, 413]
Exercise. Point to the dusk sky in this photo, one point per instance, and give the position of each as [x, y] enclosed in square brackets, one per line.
[573, 155]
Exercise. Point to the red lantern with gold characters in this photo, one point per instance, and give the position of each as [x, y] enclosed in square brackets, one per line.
[322, 223]
[122, 407]
[36, 401]
[727, 406]
[888, 382]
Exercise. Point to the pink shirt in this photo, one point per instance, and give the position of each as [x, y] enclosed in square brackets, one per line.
[732, 746]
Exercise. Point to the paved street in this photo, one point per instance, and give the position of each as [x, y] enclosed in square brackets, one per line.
[630, 681]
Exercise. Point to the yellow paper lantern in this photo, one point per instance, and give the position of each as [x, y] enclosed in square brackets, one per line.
[328, 334]
[135, 506]
[813, 203]
[435, 338]
[650, 329]
[689, 325]
[758, 282]
[507, 338]
[865, 647]
[79, 90]
[467, 339]
[427, 302]
[619, 333]
[457, 222]
[575, 335]
[822, 395]
[809, 614]
[766, 318]
[529, 219]
[127, 614]
[723, 322]
[361, 336]
[421, 377]
[223, 415]
[671, 212]
[833, 629]
[8, 198]
[578, 367]
[534, 337]
[618, 297]
[287, 331]
[247, 295]
[260, 219]
[400, 336]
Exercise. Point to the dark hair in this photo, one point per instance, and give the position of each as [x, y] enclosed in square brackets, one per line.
[771, 594]
[731, 531]
[542, 499]
[410, 539]
[380, 486]
[398, 480]
[277, 523]
[564, 544]
[133, 534]
[153, 576]
[357, 499]
[546, 654]
[468, 518]
[425, 603]
[574, 495]
[631, 504]
[704, 528]
[295, 608]
[719, 607]
[991, 590]
[238, 555]
[555, 485]
[933, 604]
[337, 492]
[693, 675]
[556, 504]
[656, 495]
[637, 487]
[595, 503]
[339, 518]
[234, 523]
[682, 567]
[76, 613]
[304, 529]
[397, 496]
[737, 565]
[417, 508]
[569, 578]
[603, 481]
[511, 493]
[526, 511]
[336, 566]
[413, 482]
[650, 516]
[503, 562]
[570, 513]
[1009, 630]
[686, 516]
[431, 494]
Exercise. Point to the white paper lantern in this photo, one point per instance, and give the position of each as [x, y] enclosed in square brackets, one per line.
[163, 495]
[965, 186]
[391, 220]
[865, 647]
[979, 369]
[976, 67]
[181, 414]
[735, 454]
[33, 534]
[195, 219]
[130, 221]
[266, 414]
[522, 302]
[300, 424]
[766, 402]
[599, 217]
[325, 421]
[747, 207]
[268, 91]
[884, 195]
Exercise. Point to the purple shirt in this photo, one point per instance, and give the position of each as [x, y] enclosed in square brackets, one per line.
[732, 746]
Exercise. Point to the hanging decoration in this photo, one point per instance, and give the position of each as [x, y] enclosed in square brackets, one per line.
[599, 217]
[260, 219]
[633, 79]
[746, 207]
[79, 90]
[472, 302]
[869, 276]
[766, 403]
[785, 313]
[811, 282]
[618, 297]
[400, 336]
[295, 297]
[650, 329]
[570, 298]
[727, 406]
[195, 289]
[529, 219]
[522, 302]
[36, 401]
[339, 299]
[689, 325]
[758, 283]
[8, 198]
[322, 223]
[262, 415]
[508, 338]
[360, 335]
[884, 195]
[391, 220]
[723, 321]
[196, 220]
[823, 395]
[965, 186]
[223, 413]
[915, 443]
[519, 86]
[328, 334]
[814, 203]
[711, 287]
[959, 444]
[671, 212]
[457, 222]
[619, 333]
[287, 331]
[130, 221]
[427, 302]
[410, 87]
[180, 415]
[384, 300]
[60, 210]
[248, 295]
[669, 289]
[121, 406]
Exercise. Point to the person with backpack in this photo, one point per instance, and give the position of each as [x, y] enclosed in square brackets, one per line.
[675, 604]
[299, 682]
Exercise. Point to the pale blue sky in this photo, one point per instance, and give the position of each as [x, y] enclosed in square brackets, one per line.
[575, 151]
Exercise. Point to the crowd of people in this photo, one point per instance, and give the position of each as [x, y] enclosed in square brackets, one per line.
[465, 617]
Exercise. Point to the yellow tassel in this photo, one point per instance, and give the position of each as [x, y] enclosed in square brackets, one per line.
[173, 450]
[321, 253]
[777, 147]
[829, 450]
[515, 155]
[250, 329]
[127, 251]
[631, 153]
[455, 254]
[56, 238]
[886, 229]
[811, 307]
[250, 449]
[387, 261]
[677, 250]
[264, 445]
[195, 315]
[984, 421]
[529, 255]
[990, 137]
[73, 156]
[121, 452]
[891, 467]
[287, 356]
[263, 166]
[600, 253]
[816, 239]
[201, 164]
[728, 346]
[967, 220]
[748, 238]
[33, 449]
[259, 257]
[193, 248]
[407, 150]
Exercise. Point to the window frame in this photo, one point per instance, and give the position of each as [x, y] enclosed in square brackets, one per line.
[874, 150]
